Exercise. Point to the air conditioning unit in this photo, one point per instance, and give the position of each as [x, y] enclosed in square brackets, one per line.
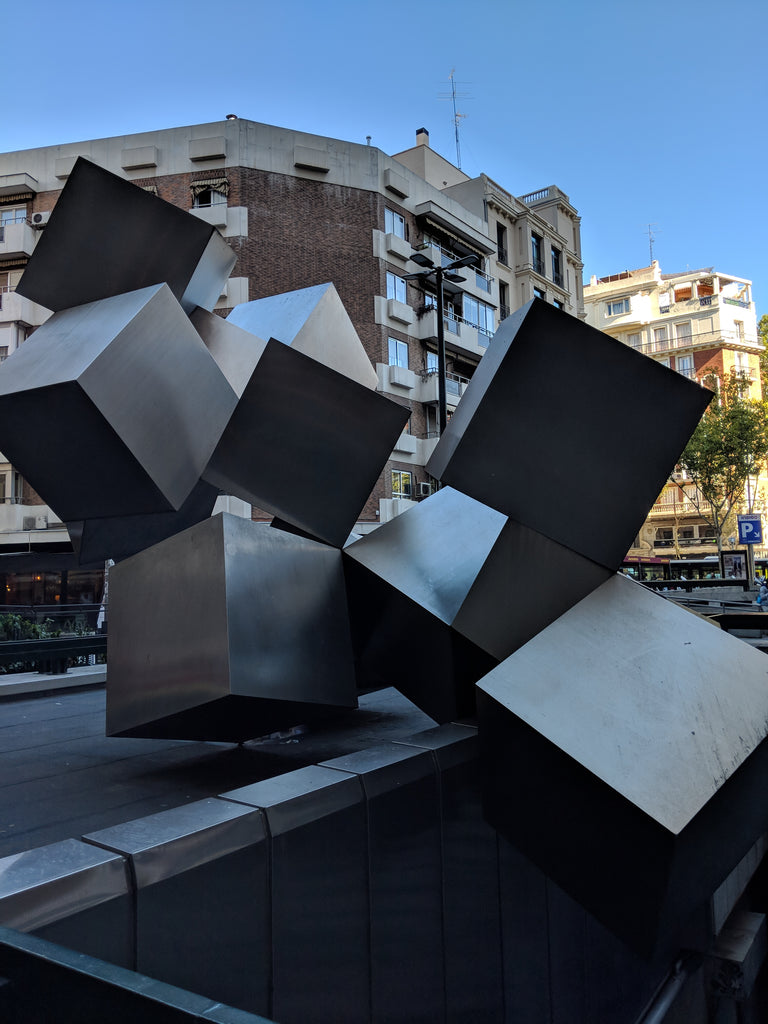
[680, 477]
[425, 489]
[39, 220]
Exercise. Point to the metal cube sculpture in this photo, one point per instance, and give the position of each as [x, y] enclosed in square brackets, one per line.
[454, 586]
[606, 406]
[624, 752]
[118, 537]
[306, 443]
[227, 631]
[110, 395]
[106, 236]
[313, 321]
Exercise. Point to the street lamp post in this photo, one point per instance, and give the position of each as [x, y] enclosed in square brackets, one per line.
[440, 274]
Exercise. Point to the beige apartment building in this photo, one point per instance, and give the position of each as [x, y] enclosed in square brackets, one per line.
[699, 323]
[302, 210]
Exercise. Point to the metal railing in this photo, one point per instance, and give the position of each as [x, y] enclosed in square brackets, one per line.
[538, 266]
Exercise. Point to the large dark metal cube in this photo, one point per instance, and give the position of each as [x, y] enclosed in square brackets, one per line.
[306, 443]
[313, 321]
[113, 408]
[227, 631]
[107, 236]
[453, 587]
[118, 537]
[584, 465]
[624, 753]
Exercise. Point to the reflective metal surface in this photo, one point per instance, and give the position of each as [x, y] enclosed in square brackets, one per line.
[401, 791]
[474, 984]
[228, 630]
[106, 236]
[236, 352]
[320, 953]
[128, 376]
[644, 758]
[604, 401]
[306, 443]
[313, 321]
[71, 893]
[118, 537]
[201, 870]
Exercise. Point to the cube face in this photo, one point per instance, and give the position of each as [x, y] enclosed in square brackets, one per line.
[646, 767]
[306, 443]
[605, 403]
[119, 537]
[219, 655]
[127, 377]
[107, 236]
[313, 321]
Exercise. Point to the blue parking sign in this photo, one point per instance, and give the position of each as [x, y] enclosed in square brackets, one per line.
[750, 529]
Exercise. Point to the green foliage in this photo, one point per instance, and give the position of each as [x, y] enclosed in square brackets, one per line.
[762, 328]
[16, 627]
[729, 445]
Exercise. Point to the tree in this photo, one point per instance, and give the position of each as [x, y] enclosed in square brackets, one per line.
[728, 448]
[762, 328]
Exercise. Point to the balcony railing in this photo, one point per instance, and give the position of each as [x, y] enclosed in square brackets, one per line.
[557, 278]
[704, 339]
[736, 302]
[680, 508]
[538, 266]
[503, 312]
[502, 257]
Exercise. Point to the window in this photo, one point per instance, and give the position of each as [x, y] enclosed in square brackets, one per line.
[3, 353]
[402, 484]
[660, 339]
[395, 287]
[209, 197]
[684, 365]
[616, 307]
[635, 340]
[9, 279]
[12, 215]
[479, 314]
[557, 267]
[501, 243]
[432, 362]
[394, 224]
[503, 300]
[739, 325]
[683, 334]
[683, 293]
[536, 253]
[557, 304]
[398, 353]
[539, 293]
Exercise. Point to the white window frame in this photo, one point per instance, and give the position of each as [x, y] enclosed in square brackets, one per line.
[402, 483]
[394, 223]
[617, 307]
[398, 353]
[396, 288]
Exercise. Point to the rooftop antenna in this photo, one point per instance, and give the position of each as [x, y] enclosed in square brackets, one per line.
[651, 240]
[456, 115]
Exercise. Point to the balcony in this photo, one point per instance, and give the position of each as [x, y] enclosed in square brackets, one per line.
[675, 509]
[537, 265]
[427, 390]
[14, 308]
[459, 333]
[17, 519]
[17, 240]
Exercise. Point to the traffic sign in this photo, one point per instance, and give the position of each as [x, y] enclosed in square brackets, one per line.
[750, 529]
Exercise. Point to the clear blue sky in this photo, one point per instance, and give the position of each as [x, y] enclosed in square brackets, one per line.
[648, 113]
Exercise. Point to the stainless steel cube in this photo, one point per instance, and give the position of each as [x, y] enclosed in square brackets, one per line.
[552, 464]
[107, 236]
[306, 443]
[313, 321]
[113, 408]
[227, 631]
[624, 752]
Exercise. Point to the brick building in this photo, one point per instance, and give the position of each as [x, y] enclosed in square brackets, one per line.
[302, 210]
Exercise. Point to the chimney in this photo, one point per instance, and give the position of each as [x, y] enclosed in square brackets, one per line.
[422, 137]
